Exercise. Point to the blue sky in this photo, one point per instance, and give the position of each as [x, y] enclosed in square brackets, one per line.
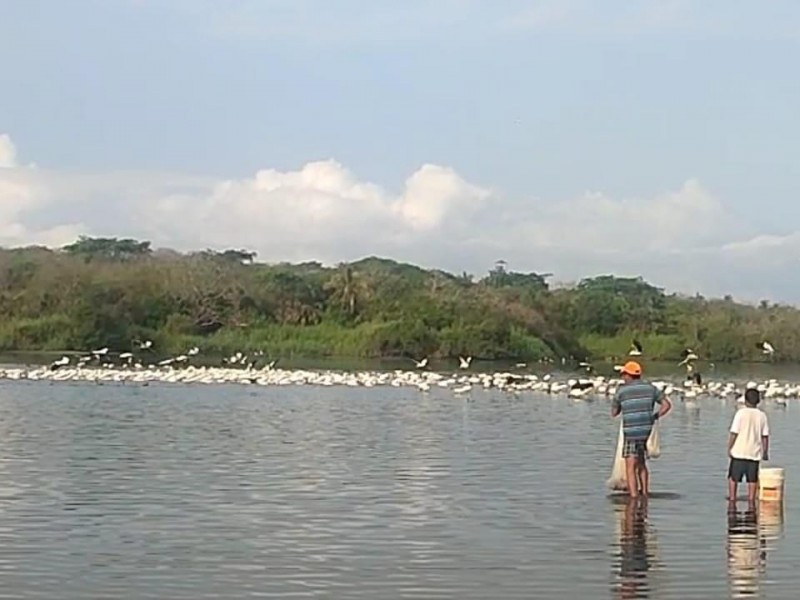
[551, 134]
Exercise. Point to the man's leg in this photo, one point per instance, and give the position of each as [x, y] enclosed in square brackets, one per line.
[731, 490]
[631, 475]
[735, 474]
[752, 491]
[752, 484]
[638, 469]
[644, 476]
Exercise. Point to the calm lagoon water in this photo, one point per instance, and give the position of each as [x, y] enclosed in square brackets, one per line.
[224, 491]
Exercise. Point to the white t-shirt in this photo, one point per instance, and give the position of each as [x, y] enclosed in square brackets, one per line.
[749, 425]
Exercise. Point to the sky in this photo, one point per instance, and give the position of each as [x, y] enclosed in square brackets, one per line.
[573, 137]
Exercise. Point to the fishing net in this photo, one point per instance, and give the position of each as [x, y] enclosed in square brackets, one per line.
[619, 480]
[654, 442]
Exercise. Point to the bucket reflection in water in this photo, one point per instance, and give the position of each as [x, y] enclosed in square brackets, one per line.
[746, 553]
[770, 521]
[635, 551]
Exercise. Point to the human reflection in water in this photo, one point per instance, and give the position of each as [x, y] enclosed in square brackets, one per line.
[635, 555]
[747, 554]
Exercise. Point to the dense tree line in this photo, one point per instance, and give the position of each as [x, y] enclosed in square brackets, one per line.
[109, 292]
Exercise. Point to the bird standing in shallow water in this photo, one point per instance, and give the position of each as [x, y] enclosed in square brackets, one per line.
[61, 362]
[144, 345]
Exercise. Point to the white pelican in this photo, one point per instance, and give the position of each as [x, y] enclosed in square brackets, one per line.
[766, 348]
[61, 362]
[688, 357]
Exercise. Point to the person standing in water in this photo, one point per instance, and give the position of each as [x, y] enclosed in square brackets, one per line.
[636, 399]
[748, 445]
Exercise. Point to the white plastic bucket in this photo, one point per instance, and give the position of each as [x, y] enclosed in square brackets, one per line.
[770, 484]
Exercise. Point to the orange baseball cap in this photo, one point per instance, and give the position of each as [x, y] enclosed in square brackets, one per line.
[632, 368]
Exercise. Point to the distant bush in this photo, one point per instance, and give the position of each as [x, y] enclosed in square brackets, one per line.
[109, 292]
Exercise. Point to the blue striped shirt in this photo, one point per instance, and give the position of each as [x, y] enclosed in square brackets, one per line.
[636, 400]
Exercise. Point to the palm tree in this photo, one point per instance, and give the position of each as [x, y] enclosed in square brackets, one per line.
[347, 289]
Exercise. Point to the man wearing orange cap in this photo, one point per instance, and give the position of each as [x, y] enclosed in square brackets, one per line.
[636, 399]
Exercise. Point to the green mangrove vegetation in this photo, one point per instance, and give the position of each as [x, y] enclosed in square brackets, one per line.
[109, 292]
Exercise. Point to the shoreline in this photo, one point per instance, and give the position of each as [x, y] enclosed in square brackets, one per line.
[605, 368]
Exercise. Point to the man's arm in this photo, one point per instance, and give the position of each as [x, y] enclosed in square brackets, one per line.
[765, 447]
[664, 406]
[734, 432]
[616, 406]
[731, 441]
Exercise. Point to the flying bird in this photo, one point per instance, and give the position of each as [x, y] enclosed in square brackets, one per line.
[766, 348]
[464, 362]
[688, 356]
[421, 364]
[636, 348]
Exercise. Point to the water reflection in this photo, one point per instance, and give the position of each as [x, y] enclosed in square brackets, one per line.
[635, 549]
[770, 522]
[200, 492]
[750, 535]
[746, 554]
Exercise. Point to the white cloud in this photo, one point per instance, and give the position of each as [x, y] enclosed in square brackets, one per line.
[434, 194]
[319, 211]
[677, 221]
[20, 198]
[684, 239]
[8, 153]
[25, 195]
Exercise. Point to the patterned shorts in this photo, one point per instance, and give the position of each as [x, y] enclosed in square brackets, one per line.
[635, 448]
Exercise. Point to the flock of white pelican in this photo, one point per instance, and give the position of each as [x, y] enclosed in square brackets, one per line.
[100, 366]
[584, 388]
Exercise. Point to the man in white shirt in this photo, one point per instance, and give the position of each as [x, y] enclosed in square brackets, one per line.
[748, 445]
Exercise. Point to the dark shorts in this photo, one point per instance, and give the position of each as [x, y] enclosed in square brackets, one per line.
[636, 448]
[740, 468]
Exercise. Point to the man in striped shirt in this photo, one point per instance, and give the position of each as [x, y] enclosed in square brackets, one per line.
[636, 399]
